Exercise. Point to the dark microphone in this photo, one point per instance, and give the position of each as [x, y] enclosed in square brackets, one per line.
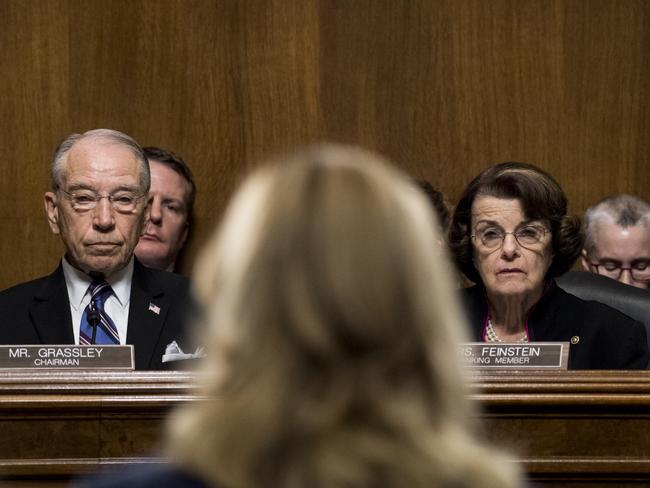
[93, 319]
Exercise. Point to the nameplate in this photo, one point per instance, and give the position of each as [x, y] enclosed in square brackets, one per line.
[515, 355]
[66, 357]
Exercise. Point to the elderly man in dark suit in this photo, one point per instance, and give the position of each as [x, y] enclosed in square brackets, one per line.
[99, 293]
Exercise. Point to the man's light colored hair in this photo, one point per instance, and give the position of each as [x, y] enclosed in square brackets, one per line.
[57, 167]
[623, 210]
[332, 327]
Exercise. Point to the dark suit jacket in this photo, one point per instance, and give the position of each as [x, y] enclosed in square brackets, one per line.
[604, 337]
[38, 312]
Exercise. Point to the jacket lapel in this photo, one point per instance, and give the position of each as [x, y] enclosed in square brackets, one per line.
[50, 311]
[147, 311]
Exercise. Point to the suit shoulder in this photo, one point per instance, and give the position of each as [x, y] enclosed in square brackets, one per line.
[27, 288]
[169, 281]
[172, 279]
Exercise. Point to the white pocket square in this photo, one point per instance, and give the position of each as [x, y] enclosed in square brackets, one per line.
[174, 353]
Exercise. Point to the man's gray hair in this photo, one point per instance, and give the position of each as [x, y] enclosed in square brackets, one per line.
[623, 210]
[57, 167]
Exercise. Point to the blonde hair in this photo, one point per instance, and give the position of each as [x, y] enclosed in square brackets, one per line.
[332, 324]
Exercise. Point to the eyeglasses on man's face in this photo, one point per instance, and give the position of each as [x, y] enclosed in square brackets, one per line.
[639, 270]
[122, 201]
[526, 236]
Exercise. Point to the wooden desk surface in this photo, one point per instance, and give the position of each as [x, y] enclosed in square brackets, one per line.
[585, 428]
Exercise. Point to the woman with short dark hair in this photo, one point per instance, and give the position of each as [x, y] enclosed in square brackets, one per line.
[511, 235]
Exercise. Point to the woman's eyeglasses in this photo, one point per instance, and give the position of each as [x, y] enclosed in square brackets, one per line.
[527, 236]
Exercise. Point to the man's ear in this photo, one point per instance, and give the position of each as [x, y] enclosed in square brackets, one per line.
[584, 260]
[52, 212]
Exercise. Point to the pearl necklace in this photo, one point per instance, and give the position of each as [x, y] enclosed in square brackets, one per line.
[492, 336]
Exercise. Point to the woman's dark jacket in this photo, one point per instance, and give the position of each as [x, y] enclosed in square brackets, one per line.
[600, 336]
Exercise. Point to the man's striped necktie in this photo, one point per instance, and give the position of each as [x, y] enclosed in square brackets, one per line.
[106, 332]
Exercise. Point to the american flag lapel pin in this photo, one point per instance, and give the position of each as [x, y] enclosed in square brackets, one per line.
[154, 308]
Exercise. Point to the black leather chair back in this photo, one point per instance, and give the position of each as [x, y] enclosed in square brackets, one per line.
[632, 301]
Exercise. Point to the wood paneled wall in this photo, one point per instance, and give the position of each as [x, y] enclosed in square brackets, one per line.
[443, 87]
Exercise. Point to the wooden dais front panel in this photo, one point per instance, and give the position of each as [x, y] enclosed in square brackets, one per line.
[574, 428]
[55, 425]
[569, 428]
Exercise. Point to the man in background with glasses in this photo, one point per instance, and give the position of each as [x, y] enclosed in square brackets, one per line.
[99, 294]
[617, 244]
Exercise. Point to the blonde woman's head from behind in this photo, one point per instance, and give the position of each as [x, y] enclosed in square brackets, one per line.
[331, 325]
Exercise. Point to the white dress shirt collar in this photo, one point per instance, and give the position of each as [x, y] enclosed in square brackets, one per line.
[78, 282]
